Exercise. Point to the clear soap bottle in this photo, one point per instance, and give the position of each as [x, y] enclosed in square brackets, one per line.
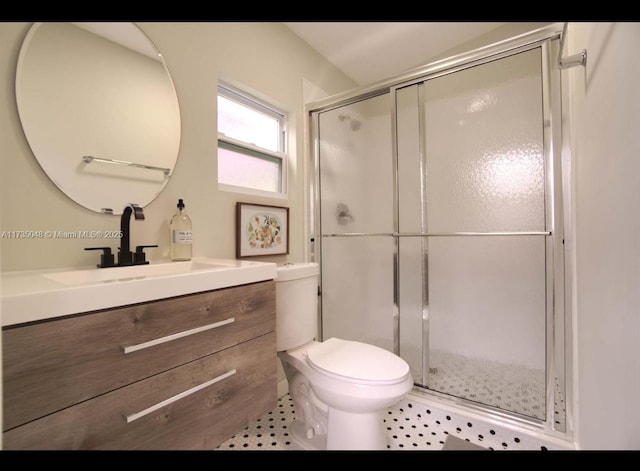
[180, 234]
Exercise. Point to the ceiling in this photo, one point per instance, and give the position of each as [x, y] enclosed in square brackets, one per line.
[368, 52]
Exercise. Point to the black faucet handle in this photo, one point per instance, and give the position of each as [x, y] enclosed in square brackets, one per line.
[106, 259]
[139, 256]
[138, 213]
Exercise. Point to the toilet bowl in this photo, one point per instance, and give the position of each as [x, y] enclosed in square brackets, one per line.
[339, 388]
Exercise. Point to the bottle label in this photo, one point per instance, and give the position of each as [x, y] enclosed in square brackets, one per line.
[181, 237]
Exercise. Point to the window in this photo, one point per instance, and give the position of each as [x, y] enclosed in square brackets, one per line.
[251, 143]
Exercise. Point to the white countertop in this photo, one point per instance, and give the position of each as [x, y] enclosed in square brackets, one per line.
[28, 296]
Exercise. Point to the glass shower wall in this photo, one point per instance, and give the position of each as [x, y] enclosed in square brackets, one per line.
[356, 221]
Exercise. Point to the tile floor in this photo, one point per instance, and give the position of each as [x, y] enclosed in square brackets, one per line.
[510, 387]
[411, 425]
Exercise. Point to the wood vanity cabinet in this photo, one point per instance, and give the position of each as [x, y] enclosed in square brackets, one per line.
[179, 373]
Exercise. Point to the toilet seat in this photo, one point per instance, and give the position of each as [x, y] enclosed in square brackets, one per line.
[357, 362]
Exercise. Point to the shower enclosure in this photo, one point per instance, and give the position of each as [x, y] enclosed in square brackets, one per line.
[438, 226]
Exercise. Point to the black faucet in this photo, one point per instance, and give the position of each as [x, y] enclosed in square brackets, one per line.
[125, 256]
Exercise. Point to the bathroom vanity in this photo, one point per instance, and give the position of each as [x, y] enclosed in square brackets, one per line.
[160, 357]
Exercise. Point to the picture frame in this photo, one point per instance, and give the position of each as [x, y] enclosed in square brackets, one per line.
[261, 230]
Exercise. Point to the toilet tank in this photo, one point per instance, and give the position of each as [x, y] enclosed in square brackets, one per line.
[296, 304]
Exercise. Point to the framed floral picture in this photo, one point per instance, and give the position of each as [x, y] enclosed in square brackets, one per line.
[261, 230]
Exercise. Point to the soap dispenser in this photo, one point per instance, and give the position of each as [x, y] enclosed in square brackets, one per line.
[180, 234]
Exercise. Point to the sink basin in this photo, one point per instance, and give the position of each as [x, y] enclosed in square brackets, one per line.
[42, 294]
[108, 275]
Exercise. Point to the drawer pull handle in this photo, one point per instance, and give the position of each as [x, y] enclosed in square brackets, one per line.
[169, 338]
[130, 418]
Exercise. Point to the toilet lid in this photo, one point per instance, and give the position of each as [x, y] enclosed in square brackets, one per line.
[357, 361]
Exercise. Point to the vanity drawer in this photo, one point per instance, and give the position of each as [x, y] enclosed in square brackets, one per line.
[195, 406]
[55, 364]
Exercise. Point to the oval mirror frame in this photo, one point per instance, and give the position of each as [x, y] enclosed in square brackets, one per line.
[100, 112]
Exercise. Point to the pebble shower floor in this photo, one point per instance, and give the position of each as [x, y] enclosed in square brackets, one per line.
[410, 425]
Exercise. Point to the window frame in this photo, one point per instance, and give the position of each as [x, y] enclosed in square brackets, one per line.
[251, 150]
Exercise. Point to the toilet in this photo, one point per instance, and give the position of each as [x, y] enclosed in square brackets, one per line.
[339, 388]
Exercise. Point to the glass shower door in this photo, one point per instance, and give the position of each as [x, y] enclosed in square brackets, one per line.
[482, 256]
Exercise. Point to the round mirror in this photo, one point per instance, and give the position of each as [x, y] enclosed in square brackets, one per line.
[100, 112]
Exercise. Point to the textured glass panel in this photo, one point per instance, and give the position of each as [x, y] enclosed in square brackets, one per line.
[357, 289]
[356, 173]
[484, 146]
[487, 320]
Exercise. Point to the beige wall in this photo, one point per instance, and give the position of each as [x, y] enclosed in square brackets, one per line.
[266, 58]
[605, 108]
